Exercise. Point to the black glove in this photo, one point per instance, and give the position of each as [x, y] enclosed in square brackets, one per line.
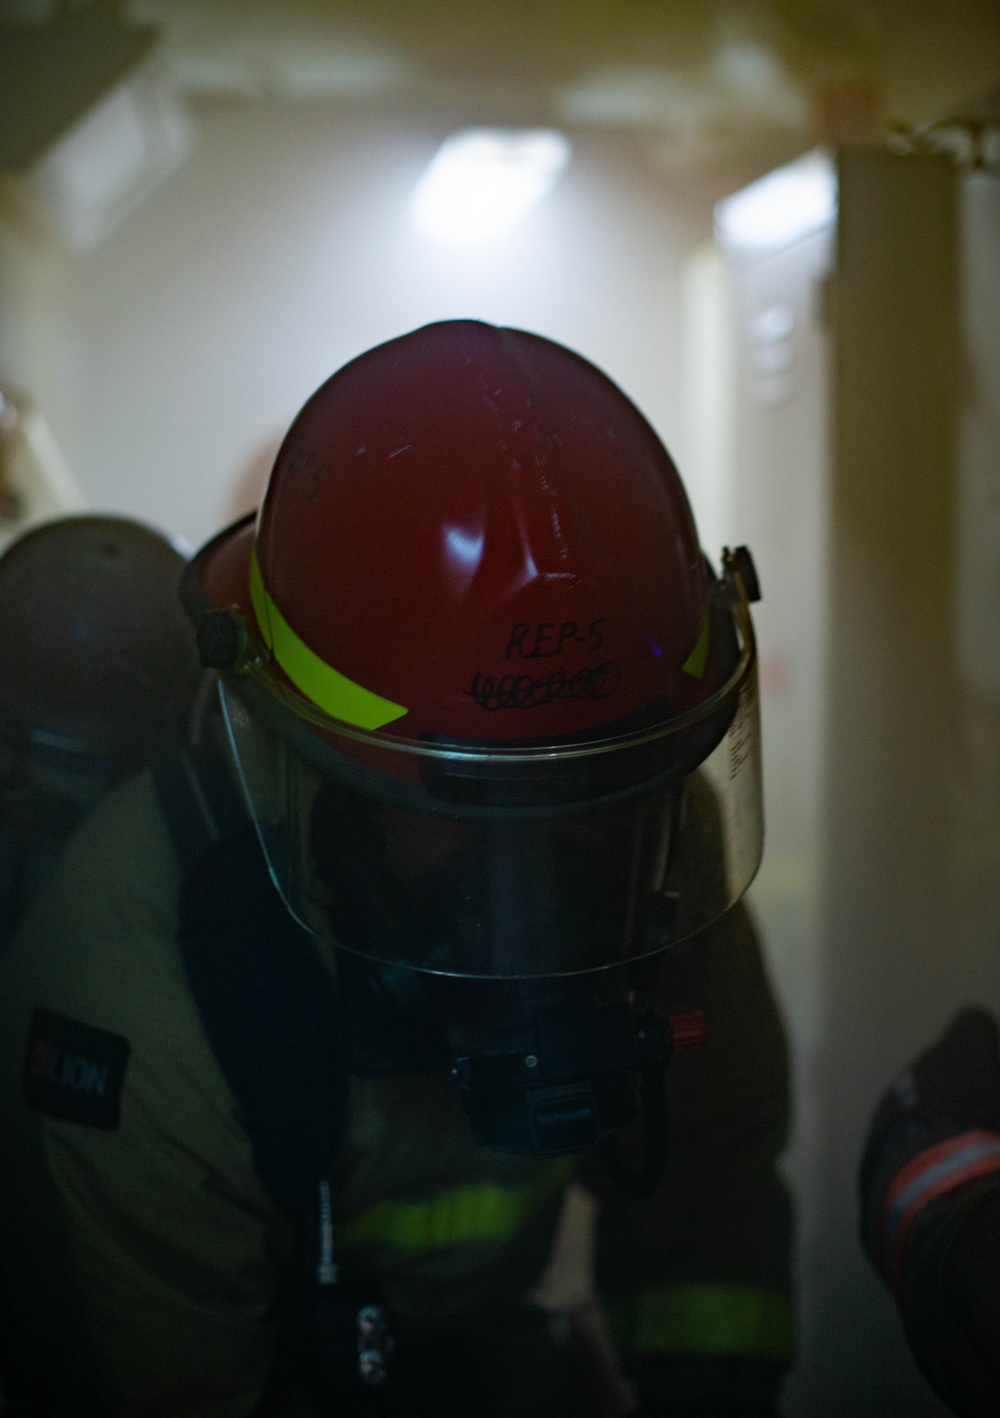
[947, 1100]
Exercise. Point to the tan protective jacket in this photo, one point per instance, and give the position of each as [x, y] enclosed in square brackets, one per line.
[143, 1260]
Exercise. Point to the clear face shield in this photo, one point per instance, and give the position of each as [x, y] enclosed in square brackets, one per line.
[504, 861]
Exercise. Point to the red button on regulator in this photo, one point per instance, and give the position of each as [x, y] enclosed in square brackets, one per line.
[688, 1031]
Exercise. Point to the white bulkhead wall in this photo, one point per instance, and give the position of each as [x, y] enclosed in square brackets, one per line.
[857, 393]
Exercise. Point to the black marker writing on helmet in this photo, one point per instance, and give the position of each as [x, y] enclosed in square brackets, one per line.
[528, 692]
[548, 638]
[314, 469]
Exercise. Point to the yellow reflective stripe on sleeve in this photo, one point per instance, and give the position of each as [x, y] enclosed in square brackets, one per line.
[705, 1318]
[697, 660]
[335, 694]
[483, 1213]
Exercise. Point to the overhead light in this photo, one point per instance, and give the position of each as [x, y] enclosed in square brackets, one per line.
[482, 181]
[782, 207]
[112, 158]
[637, 98]
[284, 62]
[751, 72]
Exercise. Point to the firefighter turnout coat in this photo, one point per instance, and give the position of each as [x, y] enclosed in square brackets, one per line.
[145, 1264]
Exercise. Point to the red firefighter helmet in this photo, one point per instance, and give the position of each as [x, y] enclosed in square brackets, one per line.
[474, 595]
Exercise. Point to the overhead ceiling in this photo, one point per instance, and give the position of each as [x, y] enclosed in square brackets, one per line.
[713, 92]
[51, 74]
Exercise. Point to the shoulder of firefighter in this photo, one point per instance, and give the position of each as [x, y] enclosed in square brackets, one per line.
[930, 1209]
[147, 1265]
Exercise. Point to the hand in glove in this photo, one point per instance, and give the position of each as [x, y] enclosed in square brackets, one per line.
[937, 1127]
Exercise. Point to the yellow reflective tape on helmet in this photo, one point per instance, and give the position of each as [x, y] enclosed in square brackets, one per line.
[705, 1318]
[333, 692]
[480, 1213]
[697, 660]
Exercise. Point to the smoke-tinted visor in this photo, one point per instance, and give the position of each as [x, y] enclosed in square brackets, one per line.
[505, 860]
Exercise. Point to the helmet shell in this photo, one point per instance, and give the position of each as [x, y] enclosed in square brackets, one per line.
[477, 527]
[92, 633]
